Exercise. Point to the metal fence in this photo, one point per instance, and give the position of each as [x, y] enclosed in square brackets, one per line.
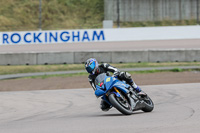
[151, 10]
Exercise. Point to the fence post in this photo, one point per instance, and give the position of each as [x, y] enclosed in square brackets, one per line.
[40, 15]
[198, 12]
[118, 14]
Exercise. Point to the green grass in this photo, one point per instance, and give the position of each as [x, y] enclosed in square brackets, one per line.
[158, 71]
[38, 68]
[67, 67]
[56, 14]
[177, 70]
[56, 75]
[23, 15]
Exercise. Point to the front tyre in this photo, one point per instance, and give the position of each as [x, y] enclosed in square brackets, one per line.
[120, 103]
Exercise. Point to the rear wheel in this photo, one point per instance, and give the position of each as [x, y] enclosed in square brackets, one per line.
[148, 104]
[121, 104]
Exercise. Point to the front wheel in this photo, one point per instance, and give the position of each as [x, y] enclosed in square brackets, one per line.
[120, 103]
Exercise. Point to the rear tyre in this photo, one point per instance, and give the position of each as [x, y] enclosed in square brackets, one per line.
[148, 104]
[122, 106]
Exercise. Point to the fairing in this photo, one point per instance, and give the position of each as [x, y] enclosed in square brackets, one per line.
[109, 83]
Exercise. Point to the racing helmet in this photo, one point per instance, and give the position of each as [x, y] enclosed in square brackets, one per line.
[91, 65]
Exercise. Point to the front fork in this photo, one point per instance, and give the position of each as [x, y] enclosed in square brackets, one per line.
[105, 97]
[117, 93]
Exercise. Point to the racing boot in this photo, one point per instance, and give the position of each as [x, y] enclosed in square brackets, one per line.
[105, 106]
[137, 89]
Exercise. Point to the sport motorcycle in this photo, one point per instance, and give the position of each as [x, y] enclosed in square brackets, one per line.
[119, 95]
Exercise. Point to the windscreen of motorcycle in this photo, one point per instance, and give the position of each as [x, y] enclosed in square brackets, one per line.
[100, 79]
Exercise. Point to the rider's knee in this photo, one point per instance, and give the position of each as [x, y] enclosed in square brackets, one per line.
[104, 106]
[125, 76]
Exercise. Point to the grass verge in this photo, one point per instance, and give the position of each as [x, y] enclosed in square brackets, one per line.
[4, 70]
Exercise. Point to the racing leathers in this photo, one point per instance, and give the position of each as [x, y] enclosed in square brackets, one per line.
[104, 68]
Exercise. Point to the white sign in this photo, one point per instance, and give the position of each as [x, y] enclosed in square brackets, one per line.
[46, 37]
[99, 35]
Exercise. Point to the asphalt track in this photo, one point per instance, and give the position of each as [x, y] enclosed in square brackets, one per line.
[176, 110]
[103, 46]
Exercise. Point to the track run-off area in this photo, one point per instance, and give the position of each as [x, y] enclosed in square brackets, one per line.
[176, 110]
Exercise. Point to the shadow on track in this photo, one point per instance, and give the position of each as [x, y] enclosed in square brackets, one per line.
[114, 115]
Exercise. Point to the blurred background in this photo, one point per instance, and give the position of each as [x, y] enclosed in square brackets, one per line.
[21, 15]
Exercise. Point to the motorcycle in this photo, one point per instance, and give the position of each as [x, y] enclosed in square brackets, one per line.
[119, 95]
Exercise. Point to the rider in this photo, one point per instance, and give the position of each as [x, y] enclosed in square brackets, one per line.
[92, 67]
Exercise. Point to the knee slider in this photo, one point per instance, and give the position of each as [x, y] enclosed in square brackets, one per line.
[125, 75]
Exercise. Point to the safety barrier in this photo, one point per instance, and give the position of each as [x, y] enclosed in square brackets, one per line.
[162, 55]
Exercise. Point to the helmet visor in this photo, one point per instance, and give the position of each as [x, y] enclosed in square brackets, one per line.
[90, 67]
